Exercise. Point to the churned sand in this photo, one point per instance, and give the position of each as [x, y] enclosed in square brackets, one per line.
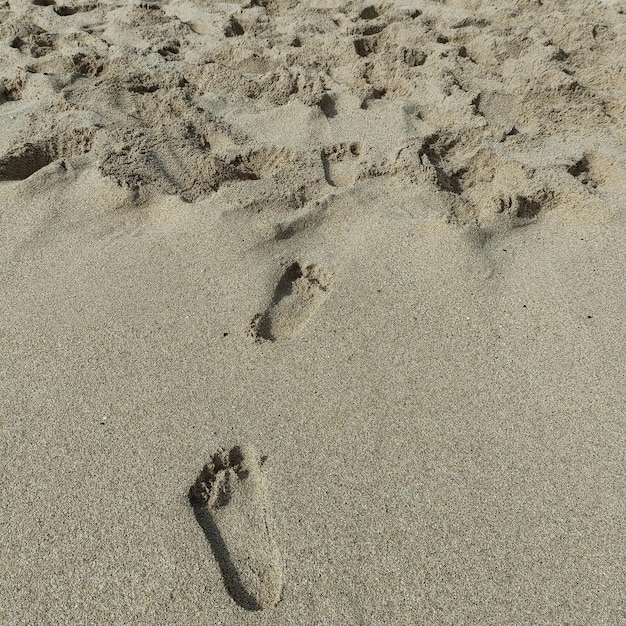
[312, 312]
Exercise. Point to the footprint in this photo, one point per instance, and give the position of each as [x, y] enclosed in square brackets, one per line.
[328, 106]
[25, 159]
[263, 162]
[598, 170]
[340, 164]
[169, 49]
[11, 88]
[37, 44]
[314, 217]
[580, 170]
[65, 10]
[523, 209]
[364, 46]
[229, 502]
[296, 297]
[369, 13]
[233, 28]
[88, 63]
[97, 28]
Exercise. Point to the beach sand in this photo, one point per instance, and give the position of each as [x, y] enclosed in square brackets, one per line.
[363, 263]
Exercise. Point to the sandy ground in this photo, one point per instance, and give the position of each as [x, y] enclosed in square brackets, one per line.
[364, 261]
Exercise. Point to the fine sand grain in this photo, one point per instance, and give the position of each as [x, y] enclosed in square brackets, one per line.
[363, 263]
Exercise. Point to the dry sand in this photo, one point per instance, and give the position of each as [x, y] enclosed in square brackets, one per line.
[382, 244]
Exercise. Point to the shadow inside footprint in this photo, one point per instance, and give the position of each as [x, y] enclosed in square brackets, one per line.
[228, 500]
[228, 570]
[24, 160]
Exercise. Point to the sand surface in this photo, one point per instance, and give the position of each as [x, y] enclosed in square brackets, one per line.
[363, 263]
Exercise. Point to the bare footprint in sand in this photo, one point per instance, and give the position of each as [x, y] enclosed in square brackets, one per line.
[229, 501]
[24, 159]
[298, 294]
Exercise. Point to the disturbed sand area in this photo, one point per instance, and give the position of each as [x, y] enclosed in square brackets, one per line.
[312, 313]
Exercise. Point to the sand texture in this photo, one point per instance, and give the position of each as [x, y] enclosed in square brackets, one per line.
[312, 312]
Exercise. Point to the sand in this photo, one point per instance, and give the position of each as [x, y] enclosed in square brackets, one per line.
[363, 263]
